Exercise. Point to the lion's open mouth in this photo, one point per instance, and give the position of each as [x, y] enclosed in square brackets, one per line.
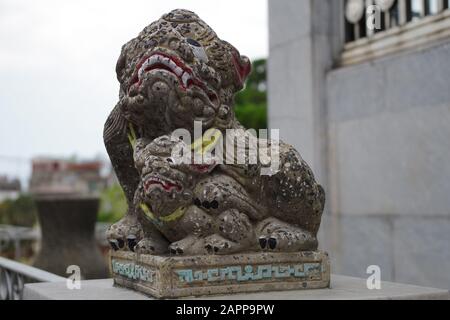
[161, 182]
[202, 168]
[162, 61]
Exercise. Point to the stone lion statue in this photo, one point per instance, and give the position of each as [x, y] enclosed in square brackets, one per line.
[174, 73]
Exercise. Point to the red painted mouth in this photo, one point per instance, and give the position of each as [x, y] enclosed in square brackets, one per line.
[165, 184]
[162, 61]
[202, 168]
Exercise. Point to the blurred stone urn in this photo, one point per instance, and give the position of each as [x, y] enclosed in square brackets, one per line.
[68, 235]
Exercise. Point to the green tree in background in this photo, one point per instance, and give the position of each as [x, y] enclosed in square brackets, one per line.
[251, 103]
[20, 212]
[113, 204]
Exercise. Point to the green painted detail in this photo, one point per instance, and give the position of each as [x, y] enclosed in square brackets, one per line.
[309, 271]
[159, 221]
[132, 135]
[132, 271]
[207, 142]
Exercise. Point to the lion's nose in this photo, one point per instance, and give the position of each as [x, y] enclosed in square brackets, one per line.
[160, 89]
[162, 170]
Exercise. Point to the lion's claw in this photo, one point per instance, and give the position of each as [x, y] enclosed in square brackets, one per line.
[216, 244]
[131, 241]
[190, 245]
[114, 244]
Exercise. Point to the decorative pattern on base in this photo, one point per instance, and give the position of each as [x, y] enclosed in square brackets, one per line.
[184, 276]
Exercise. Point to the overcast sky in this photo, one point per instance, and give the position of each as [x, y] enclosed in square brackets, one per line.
[57, 60]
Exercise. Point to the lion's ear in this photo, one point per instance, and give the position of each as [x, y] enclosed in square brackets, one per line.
[120, 65]
[242, 66]
[246, 67]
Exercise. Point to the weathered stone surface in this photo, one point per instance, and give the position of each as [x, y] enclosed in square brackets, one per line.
[177, 72]
[172, 277]
[256, 199]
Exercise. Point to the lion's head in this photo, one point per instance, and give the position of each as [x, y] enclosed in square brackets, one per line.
[166, 182]
[176, 71]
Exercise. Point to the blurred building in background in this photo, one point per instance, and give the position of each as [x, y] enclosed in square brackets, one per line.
[56, 176]
[9, 188]
[370, 111]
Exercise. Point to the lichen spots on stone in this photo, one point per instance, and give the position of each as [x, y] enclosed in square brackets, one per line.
[176, 71]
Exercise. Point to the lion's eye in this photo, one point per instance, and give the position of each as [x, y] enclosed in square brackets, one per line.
[193, 42]
[198, 50]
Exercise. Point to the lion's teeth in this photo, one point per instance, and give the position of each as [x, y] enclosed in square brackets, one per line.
[155, 59]
[172, 65]
[185, 78]
[178, 71]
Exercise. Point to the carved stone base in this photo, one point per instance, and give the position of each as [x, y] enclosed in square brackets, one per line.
[174, 276]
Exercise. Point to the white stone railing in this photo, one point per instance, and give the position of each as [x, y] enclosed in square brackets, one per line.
[13, 276]
[375, 28]
[13, 236]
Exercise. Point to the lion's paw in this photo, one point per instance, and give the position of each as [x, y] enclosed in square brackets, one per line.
[191, 245]
[283, 240]
[124, 234]
[150, 246]
[216, 244]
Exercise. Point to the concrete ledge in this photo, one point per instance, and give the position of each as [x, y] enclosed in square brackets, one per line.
[342, 288]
